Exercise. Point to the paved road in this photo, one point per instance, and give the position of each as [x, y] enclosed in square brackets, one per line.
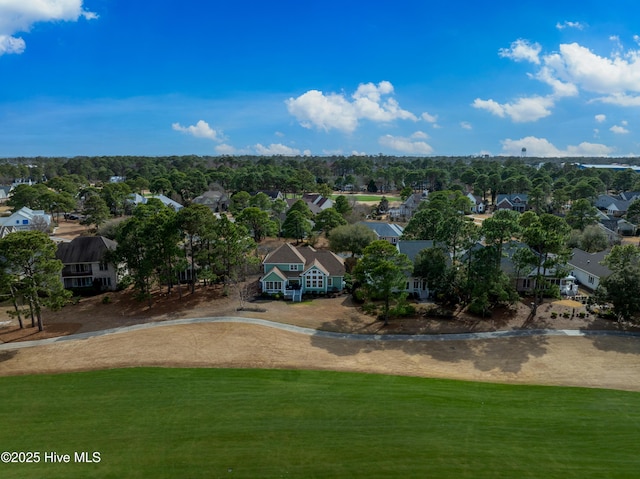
[323, 334]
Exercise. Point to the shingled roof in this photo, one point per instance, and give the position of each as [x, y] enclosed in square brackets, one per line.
[85, 249]
[325, 259]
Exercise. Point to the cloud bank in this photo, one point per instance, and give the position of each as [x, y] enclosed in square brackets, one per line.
[19, 15]
[335, 111]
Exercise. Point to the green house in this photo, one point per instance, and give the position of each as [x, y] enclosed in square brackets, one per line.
[294, 271]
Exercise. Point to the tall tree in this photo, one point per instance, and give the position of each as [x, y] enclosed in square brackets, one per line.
[621, 287]
[546, 235]
[327, 220]
[196, 222]
[296, 225]
[351, 238]
[30, 258]
[95, 211]
[582, 214]
[381, 271]
[257, 221]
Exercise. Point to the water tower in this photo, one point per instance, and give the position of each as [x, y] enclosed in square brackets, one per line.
[523, 152]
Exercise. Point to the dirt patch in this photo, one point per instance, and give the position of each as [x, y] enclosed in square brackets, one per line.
[608, 362]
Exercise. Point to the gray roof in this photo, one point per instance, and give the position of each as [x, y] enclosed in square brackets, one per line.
[384, 230]
[412, 247]
[523, 197]
[589, 262]
[85, 249]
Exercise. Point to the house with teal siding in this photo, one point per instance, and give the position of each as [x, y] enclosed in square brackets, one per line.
[293, 272]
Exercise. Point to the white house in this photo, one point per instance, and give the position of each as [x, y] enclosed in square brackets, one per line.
[586, 267]
[85, 264]
[26, 219]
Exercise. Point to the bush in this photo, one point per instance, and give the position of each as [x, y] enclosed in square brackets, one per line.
[438, 312]
[554, 315]
[370, 308]
[106, 300]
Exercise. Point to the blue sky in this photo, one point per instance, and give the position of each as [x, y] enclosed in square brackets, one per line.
[126, 77]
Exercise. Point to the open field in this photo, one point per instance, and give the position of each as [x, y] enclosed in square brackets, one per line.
[367, 198]
[167, 423]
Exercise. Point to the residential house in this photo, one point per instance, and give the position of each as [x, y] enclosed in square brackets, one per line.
[408, 207]
[86, 265]
[416, 286]
[515, 201]
[4, 192]
[587, 268]
[616, 205]
[26, 219]
[525, 278]
[477, 204]
[390, 232]
[272, 194]
[217, 200]
[294, 271]
[137, 199]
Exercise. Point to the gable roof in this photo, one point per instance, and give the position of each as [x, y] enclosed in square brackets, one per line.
[412, 247]
[85, 249]
[511, 198]
[589, 262]
[325, 260]
[285, 254]
[384, 230]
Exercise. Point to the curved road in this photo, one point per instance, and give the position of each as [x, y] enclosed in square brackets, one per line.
[322, 334]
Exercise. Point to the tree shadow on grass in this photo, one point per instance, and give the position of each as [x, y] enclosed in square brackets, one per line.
[507, 355]
[625, 343]
[7, 355]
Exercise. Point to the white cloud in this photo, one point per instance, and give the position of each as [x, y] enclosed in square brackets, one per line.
[541, 147]
[600, 118]
[576, 25]
[335, 111]
[420, 135]
[618, 130]
[405, 145]
[225, 149]
[522, 50]
[614, 76]
[11, 45]
[523, 110]
[20, 15]
[199, 130]
[465, 125]
[429, 118]
[277, 149]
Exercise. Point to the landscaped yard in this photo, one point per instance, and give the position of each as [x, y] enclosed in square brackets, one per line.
[168, 423]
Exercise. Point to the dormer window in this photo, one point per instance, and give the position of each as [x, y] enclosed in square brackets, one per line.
[294, 267]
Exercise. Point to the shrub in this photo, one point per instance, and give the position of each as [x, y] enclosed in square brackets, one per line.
[554, 315]
[106, 300]
[370, 308]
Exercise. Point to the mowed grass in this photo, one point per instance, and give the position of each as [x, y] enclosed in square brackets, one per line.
[368, 197]
[208, 423]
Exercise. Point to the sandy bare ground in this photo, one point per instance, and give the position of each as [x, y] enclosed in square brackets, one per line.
[594, 361]
[602, 362]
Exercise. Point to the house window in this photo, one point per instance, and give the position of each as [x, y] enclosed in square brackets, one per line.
[82, 268]
[273, 285]
[526, 283]
[314, 279]
[104, 267]
[329, 281]
[104, 282]
[591, 279]
[294, 267]
[25, 222]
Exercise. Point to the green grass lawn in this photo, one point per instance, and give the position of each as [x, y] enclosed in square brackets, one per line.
[192, 423]
[368, 197]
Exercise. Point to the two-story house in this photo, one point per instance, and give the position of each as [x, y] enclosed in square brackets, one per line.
[85, 264]
[295, 271]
